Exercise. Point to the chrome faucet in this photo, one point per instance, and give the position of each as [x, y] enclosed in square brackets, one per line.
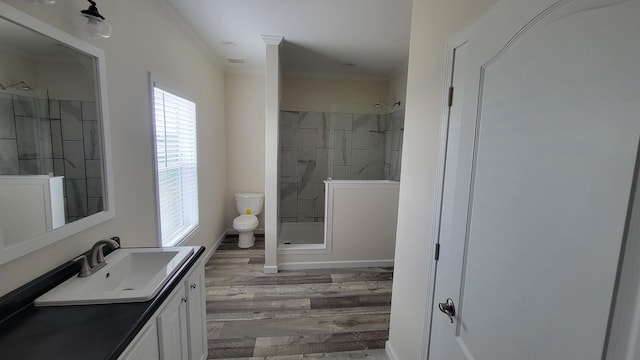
[96, 260]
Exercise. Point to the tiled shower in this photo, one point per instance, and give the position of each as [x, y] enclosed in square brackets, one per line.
[315, 146]
[39, 136]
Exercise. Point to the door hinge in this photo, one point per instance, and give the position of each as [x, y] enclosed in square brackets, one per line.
[437, 251]
[450, 96]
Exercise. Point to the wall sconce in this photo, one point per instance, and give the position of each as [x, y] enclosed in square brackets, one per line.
[92, 22]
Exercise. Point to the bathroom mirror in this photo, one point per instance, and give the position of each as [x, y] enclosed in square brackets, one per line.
[55, 177]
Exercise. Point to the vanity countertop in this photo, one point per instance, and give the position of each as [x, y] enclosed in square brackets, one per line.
[82, 332]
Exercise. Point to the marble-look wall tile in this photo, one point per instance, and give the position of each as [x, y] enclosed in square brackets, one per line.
[58, 167]
[337, 145]
[24, 106]
[360, 132]
[398, 129]
[89, 111]
[388, 137]
[36, 166]
[318, 210]
[45, 149]
[360, 165]
[93, 168]
[28, 137]
[342, 121]
[74, 167]
[56, 139]
[94, 187]
[395, 166]
[305, 210]
[9, 157]
[306, 180]
[342, 151]
[71, 116]
[307, 144]
[7, 123]
[325, 131]
[289, 197]
[378, 122]
[91, 136]
[42, 108]
[289, 129]
[376, 155]
[309, 120]
[76, 191]
[342, 173]
[289, 165]
[54, 109]
[324, 164]
[94, 205]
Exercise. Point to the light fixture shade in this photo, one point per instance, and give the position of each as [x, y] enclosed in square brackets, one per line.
[41, 2]
[91, 22]
[93, 26]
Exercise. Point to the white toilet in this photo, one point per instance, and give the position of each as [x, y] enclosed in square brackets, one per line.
[249, 205]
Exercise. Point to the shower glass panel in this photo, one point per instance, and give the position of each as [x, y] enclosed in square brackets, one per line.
[315, 146]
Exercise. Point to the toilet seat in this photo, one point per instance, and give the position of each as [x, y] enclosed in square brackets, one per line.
[243, 222]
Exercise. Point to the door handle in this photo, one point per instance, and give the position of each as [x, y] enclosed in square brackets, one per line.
[448, 308]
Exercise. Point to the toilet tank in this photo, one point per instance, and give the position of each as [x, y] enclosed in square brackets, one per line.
[249, 203]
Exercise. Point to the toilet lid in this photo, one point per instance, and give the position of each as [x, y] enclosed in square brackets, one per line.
[245, 221]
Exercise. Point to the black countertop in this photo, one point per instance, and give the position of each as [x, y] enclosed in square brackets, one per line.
[82, 332]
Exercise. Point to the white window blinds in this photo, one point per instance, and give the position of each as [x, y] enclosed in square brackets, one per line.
[176, 161]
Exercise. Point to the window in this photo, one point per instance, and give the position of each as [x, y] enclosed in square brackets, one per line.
[176, 164]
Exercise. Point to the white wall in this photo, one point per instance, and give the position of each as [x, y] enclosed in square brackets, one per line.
[64, 80]
[136, 47]
[333, 95]
[244, 110]
[398, 87]
[433, 22]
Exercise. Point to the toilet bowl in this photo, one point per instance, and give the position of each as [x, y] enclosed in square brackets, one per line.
[248, 205]
[245, 225]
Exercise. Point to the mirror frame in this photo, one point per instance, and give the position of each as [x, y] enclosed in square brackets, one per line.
[8, 253]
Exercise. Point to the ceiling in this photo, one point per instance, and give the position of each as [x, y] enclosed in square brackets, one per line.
[343, 38]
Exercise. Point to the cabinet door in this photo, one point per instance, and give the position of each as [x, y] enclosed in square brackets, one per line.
[144, 346]
[172, 327]
[196, 310]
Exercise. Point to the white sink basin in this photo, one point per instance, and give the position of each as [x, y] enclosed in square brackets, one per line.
[131, 275]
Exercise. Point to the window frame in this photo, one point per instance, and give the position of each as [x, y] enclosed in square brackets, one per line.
[155, 82]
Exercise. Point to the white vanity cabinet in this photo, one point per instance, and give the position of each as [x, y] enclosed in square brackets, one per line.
[196, 314]
[145, 345]
[177, 331]
[172, 327]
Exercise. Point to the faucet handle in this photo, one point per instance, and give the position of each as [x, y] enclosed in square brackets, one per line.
[85, 270]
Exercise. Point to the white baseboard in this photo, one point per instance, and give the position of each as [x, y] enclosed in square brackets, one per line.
[334, 264]
[209, 252]
[270, 269]
[390, 353]
[258, 231]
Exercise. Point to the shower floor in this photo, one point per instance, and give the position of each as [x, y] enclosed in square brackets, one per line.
[295, 233]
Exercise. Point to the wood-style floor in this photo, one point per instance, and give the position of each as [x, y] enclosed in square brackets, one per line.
[304, 314]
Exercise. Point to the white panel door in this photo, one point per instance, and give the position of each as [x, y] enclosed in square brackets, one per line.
[547, 149]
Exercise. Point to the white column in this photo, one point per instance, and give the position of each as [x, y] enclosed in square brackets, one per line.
[271, 188]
